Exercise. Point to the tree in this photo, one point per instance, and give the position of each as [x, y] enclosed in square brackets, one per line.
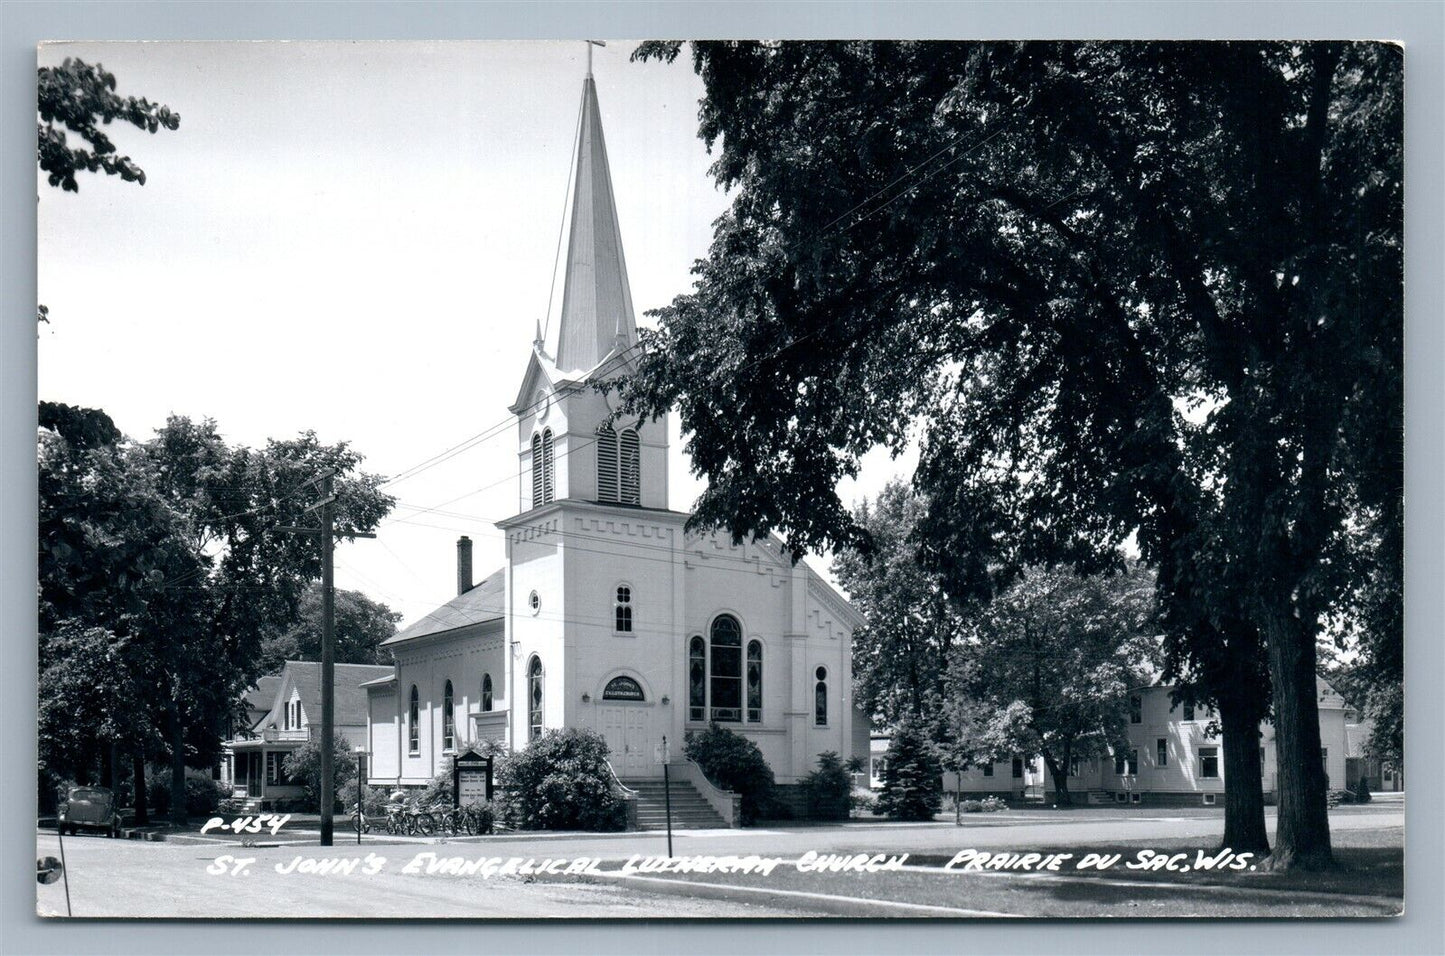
[1126, 291]
[81, 98]
[901, 653]
[1053, 659]
[361, 624]
[913, 779]
[303, 765]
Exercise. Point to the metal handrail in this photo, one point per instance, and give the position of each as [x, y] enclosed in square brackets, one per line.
[618, 780]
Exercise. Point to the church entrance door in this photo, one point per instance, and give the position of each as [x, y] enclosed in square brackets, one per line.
[628, 731]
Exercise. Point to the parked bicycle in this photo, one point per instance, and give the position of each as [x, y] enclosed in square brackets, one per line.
[359, 823]
[395, 818]
[448, 819]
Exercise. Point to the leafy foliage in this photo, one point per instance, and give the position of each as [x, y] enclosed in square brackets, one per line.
[1143, 291]
[360, 625]
[81, 98]
[828, 789]
[203, 795]
[303, 766]
[913, 779]
[1052, 659]
[561, 781]
[732, 762]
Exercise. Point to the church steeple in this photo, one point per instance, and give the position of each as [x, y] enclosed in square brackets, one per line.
[596, 301]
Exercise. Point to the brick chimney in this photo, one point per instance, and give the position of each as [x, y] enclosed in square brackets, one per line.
[464, 564]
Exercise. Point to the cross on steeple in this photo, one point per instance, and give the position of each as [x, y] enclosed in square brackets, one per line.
[590, 45]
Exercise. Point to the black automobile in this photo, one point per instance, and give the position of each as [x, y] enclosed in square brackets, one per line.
[89, 808]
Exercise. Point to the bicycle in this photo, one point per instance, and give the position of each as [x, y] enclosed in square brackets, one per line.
[395, 818]
[359, 823]
[447, 819]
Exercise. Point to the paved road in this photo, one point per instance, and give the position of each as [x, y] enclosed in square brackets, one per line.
[134, 878]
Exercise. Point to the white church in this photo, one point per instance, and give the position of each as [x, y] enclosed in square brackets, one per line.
[606, 615]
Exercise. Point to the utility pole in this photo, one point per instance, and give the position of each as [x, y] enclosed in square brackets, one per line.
[327, 531]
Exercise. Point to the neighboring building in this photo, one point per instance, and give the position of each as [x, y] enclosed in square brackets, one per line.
[1172, 758]
[607, 614]
[292, 716]
[1383, 774]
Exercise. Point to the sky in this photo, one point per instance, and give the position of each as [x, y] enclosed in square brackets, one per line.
[359, 239]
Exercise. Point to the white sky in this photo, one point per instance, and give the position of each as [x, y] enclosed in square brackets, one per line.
[358, 238]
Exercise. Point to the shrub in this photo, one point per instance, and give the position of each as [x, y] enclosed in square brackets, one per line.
[863, 801]
[486, 815]
[203, 795]
[561, 781]
[733, 762]
[828, 789]
[303, 765]
[913, 779]
[1362, 791]
[438, 789]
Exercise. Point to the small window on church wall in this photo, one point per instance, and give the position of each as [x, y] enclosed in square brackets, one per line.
[623, 609]
[534, 699]
[630, 477]
[607, 486]
[697, 679]
[820, 697]
[486, 692]
[726, 683]
[413, 714]
[755, 682]
[449, 722]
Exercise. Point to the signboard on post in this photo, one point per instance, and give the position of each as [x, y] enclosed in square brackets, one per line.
[471, 778]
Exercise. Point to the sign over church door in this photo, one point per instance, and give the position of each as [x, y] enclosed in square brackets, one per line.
[622, 688]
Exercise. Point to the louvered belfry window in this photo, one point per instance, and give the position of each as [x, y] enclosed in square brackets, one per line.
[607, 486]
[536, 470]
[543, 476]
[630, 477]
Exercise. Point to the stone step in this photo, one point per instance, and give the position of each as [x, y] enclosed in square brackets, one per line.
[690, 811]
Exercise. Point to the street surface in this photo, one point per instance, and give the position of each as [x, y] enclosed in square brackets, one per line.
[135, 878]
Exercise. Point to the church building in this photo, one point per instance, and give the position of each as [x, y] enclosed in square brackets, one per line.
[607, 614]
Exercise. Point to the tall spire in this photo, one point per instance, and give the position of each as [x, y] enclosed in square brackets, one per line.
[596, 301]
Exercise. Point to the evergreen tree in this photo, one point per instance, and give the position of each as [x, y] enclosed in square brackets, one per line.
[913, 780]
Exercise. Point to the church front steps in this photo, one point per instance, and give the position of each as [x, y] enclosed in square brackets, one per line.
[689, 810]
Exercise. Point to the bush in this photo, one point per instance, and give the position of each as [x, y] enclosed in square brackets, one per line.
[733, 762]
[913, 779]
[486, 814]
[203, 795]
[828, 790]
[863, 801]
[303, 766]
[1362, 790]
[438, 789]
[561, 781]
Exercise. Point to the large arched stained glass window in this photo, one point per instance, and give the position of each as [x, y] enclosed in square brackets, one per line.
[534, 699]
[726, 682]
[697, 679]
[487, 693]
[413, 715]
[755, 682]
[820, 697]
[449, 719]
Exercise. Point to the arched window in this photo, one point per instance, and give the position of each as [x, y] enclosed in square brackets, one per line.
[534, 699]
[630, 467]
[696, 679]
[623, 610]
[820, 697]
[487, 692]
[449, 723]
[755, 681]
[606, 463]
[726, 683]
[543, 476]
[413, 713]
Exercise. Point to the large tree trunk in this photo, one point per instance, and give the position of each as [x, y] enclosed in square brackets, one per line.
[178, 764]
[1244, 830]
[1060, 774]
[138, 784]
[1303, 836]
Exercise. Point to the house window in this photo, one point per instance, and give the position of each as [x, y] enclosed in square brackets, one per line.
[413, 714]
[726, 682]
[755, 682]
[820, 697]
[1209, 763]
[274, 776]
[1119, 765]
[1074, 764]
[606, 463]
[286, 717]
[1134, 761]
[988, 770]
[486, 692]
[696, 679]
[1188, 711]
[1017, 768]
[449, 722]
[534, 699]
[623, 610]
[1161, 752]
[543, 474]
[630, 470]
[1136, 709]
